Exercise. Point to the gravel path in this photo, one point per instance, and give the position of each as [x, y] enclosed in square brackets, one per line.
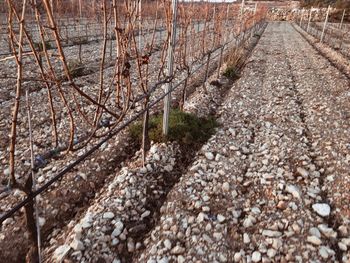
[272, 184]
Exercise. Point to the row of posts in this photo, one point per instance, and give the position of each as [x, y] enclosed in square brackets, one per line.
[170, 60]
[324, 24]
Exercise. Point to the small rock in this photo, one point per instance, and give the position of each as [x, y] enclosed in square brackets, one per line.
[77, 244]
[217, 236]
[294, 190]
[167, 244]
[168, 168]
[143, 170]
[343, 230]
[256, 256]
[131, 245]
[237, 257]
[282, 205]
[342, 246]
[246, 239]
[249, 221]
[302, 172]
[145, 214]
[271, 233]
[209, 156]
[327, 231]
[323, 252]
[315, 232]
[108, 215]
[225, 187]
[118, 229]
[314, 240]
[200, 218]
[271, 253]
[177, 250]
[163, 260]
[61, 252]
[181, 259]
[221, 218]
[322, 209]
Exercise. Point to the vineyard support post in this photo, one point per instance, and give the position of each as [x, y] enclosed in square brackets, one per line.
[342, 20]
[301, 17]
[341, 29]
[140, 23]
[325, 24]
[206, 73]
[170, 68]
[35, 203]
[308, 23]
[254, 14]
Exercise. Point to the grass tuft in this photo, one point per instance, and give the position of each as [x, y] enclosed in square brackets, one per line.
[76, 68]
[185, 128]
[232, 73]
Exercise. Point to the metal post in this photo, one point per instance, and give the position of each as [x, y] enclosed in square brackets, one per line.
[34, 179]
[342, 20]
[254, 20]
[242, 8]
[80, 9]
[140, 24]
[325, 24]
[168, 86]
[308, 23]
[301, 17]
[341, 29]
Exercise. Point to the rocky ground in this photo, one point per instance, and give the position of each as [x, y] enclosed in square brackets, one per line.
[271, 185]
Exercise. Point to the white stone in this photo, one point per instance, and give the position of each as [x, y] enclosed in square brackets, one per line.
[221, 218]
[209, 155]
[294, 190]
[145, 214]
[246, 239]
[7, 171]
[249, 221]
[108, 215]
[323, 252]
[256, 256]
[163, 260]
[271, 253]
[342, 246]
[314, 240]
[168, 168]
[200, 217]
[77, 244]
[271, 233]
[322, 209]
[217, 236]
[181, 259]
[61, 252]
[315, 232]
[302, 172]
[143, 170]
[237, 257]
[131, 245]
[225, 187]
[167, 244]
[177, 250]
[118, 229]
[327, 231]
